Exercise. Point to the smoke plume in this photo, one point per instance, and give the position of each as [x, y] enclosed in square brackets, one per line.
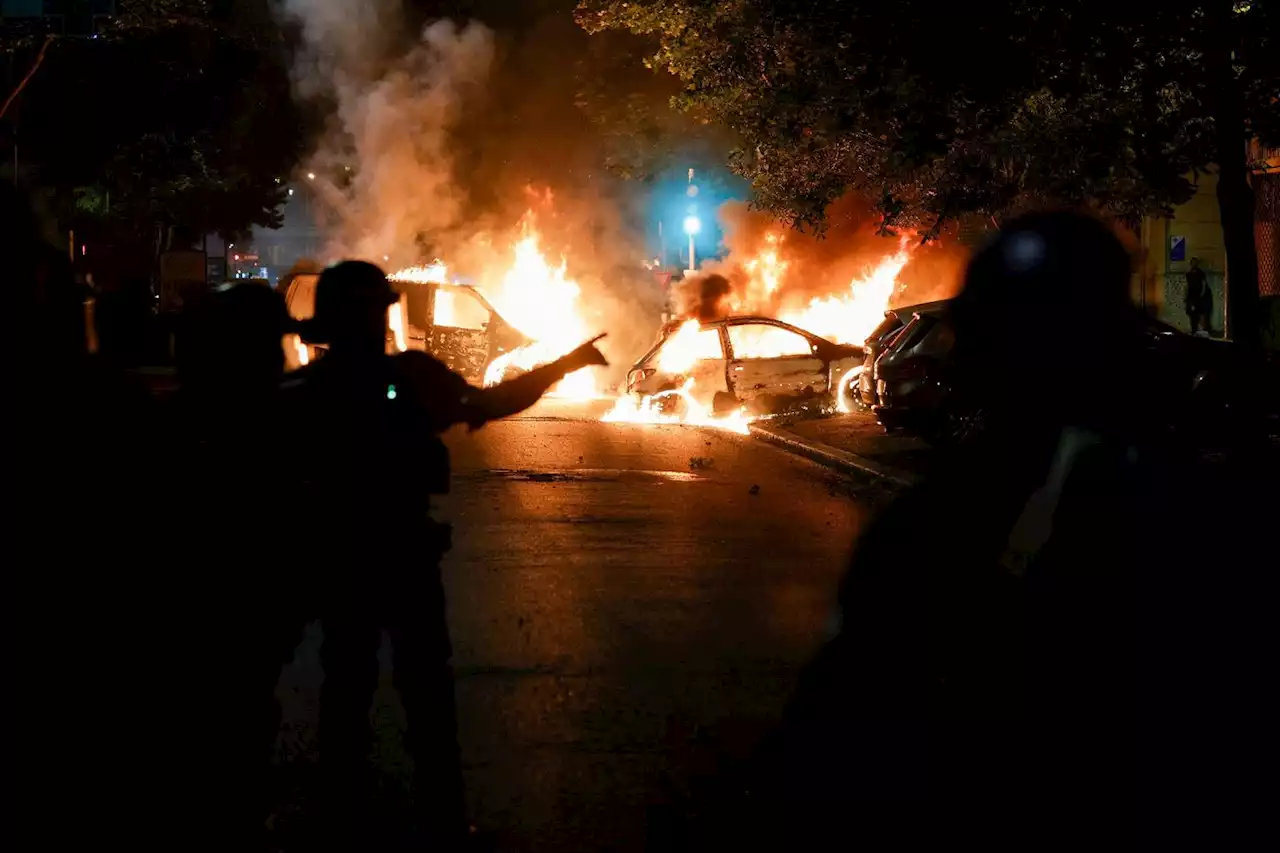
[440, 144]
[384, 166]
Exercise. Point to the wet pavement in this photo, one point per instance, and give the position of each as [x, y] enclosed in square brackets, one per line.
[617, 593]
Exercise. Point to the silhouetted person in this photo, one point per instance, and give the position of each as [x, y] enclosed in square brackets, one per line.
[236, 525]
[981, 687]
[1199, 303]
[78, 562]
[374, 423]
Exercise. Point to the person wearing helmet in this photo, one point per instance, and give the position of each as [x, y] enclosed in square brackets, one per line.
[229, 531]
[982, 672]
[376, 457]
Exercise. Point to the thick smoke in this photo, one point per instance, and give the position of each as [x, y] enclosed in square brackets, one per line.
[814, 266]
[432, 149]
[384, 167]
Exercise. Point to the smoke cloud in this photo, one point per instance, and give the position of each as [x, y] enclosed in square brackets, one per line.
[384, 166]
[437, 145]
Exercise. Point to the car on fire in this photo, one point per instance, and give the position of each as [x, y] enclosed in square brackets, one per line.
[453, 322]
[752, 362]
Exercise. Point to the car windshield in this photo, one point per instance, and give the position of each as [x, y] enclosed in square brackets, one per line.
[887, 325]
[460, 309]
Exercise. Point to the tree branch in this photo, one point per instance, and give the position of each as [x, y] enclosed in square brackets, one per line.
[31, 73]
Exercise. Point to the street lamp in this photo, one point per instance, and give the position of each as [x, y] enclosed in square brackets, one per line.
[692, 225]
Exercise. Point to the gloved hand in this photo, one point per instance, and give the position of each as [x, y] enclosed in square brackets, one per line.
[586, 355]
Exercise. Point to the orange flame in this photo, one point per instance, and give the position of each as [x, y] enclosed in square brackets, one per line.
[433, 273]
[541, 301]
[649, 410]
[536, 297]
[850, 317]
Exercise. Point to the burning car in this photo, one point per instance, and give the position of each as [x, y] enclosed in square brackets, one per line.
[754, 363]
[453, 322]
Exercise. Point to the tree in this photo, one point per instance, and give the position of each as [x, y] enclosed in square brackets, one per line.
[173, 121]
[940, 110]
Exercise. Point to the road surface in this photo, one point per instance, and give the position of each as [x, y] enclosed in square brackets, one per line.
[616, 594]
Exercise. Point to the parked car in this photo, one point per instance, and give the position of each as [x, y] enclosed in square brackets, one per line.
[911, 388]
[1196, 383]
[895, 319]
[453, 322]
[757, 362]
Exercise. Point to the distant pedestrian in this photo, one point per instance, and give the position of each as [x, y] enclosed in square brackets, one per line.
[1199, 298]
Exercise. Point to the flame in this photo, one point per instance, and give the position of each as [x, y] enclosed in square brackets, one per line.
[766, 270]
[299, 349]
[851, 317]
[541, 301]
[649, 411]
[433, 273]
[535, 297]
[395, 319]
[850, 376]
[687, 346]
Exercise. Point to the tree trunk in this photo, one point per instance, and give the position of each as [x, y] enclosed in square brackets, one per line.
[1236, 203]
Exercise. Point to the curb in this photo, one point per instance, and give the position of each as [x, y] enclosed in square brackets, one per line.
[832, 457]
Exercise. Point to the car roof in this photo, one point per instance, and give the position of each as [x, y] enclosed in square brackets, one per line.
[935, 308]
[743, 319]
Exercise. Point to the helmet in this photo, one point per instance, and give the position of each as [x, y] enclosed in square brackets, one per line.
[1048, 288]
[350, 296]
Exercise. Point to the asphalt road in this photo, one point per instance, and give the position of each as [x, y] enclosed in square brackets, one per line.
[618, 594]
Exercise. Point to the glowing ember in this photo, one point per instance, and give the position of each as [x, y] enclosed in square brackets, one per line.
[849, 318]
[687, 411]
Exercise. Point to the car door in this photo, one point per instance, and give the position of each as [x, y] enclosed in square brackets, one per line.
[690, 353]
[458, 337]
[769, 361]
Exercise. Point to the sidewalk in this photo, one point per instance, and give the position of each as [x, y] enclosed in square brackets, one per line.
[854, 442]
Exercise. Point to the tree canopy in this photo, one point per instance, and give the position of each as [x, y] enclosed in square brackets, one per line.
[173, 117]
[936, 110]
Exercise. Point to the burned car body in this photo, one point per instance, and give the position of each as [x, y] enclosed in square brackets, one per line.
[453, 322]
[759, 363]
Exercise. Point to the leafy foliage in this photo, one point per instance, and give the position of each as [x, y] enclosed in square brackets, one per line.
[941, 109]
[172, 118]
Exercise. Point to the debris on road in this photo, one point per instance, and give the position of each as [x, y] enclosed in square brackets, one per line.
[754, 490]
[698, 463]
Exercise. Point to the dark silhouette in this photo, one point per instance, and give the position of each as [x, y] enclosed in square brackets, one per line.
[235, 513]
[78, 565]
[1199, 298]
[372, 424]
[982, 677]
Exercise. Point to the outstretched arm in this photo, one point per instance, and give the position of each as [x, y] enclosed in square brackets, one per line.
[508, 398]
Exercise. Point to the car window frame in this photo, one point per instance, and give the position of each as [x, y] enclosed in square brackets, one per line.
[470, 293]
[732, 356]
